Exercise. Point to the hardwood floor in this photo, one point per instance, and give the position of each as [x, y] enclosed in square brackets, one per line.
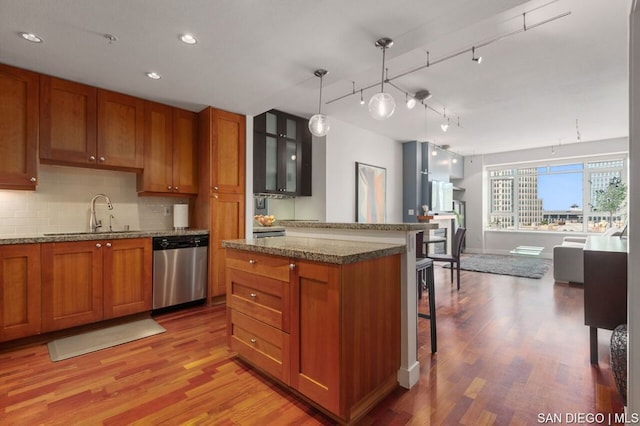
[509, 350]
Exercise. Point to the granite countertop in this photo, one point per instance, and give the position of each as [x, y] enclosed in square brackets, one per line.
[317, 249]
[420, 226]
[87, 236]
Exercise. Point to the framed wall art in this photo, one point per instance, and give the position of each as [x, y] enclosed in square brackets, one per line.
[371, 193]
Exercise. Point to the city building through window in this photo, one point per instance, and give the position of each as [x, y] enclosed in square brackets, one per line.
[558, 196]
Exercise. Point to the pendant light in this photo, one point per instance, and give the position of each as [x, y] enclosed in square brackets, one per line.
[319, 123]
[382, 105]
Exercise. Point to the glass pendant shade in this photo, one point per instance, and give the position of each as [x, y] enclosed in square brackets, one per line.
[319, 125]
[382, 106]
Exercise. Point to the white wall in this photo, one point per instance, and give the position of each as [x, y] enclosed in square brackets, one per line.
[476, 193]
[346, 145]
[61, 203]
[315, 207]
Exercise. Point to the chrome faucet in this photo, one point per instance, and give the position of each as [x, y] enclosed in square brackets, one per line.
[94, 224]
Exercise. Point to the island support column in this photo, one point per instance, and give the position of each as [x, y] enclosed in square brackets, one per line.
[409, 372]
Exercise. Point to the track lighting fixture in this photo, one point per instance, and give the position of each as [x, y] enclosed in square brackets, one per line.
[475, 58]
[382, 105]
[385, 102]
[361, 98]
[319, 123]
[445, 126]
[411, 101]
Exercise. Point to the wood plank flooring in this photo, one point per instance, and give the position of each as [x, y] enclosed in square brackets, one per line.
[509, 349]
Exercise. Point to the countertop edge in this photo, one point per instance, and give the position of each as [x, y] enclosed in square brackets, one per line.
[375, 250]
[70, 237]
[420, 226]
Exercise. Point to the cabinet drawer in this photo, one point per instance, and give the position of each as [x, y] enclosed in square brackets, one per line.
[265, 265]
[262, 298]
[263, 346]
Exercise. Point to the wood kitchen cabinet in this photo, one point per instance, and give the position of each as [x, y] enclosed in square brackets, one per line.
[127, 277]
[67, 122]
[170, 151]
[220, 205]
[120, 130]
[281, 154]
[89, 127]
[331, 332]
[87, 281]
[18, 128]
[20, 291]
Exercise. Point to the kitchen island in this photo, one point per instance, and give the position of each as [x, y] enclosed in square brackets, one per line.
[321, 316]
[398, 233]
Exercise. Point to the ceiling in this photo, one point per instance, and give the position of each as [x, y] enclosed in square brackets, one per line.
[256, 55]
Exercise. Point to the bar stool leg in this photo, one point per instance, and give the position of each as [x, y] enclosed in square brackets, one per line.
[426, 276]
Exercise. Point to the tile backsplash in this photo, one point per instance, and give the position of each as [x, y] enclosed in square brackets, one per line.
[62, 201]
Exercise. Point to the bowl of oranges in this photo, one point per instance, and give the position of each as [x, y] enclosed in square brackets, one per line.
[265, 220]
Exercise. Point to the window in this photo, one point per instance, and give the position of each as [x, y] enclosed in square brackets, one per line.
[559, 196]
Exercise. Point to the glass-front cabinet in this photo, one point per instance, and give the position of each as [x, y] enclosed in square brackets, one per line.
[281, 154]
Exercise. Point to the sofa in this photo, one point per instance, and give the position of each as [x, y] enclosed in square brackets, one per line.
[568, 260]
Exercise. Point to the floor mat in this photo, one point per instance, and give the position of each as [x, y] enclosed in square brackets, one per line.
[92, 341]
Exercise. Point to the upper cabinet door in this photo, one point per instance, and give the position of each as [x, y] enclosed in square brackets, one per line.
[67, 122]
[281, 154]
[228, 152]
[185, 147]
[158, 149]
[18, 128]
[120, 130]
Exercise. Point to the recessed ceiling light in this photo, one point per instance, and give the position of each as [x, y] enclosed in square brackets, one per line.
[188, 39]
[154, 75]
[31, 37]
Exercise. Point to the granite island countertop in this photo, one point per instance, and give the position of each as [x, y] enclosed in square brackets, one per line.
[420, 226]
[317, 249]
[88, 236]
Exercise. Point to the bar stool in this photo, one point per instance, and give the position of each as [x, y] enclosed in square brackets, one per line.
[425, 281]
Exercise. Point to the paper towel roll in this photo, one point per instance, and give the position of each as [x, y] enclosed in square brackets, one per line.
[180, 216]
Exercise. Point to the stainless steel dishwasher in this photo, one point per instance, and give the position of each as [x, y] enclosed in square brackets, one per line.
[179, 269]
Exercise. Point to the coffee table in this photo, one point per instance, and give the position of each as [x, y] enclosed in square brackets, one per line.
[527, 250]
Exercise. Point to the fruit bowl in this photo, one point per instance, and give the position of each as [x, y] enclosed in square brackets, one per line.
[265, 220]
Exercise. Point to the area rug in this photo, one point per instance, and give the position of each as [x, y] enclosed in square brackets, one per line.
[68, 347]
[517, 266]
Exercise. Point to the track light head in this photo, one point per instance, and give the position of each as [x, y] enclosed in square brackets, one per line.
[423, 95]
[445, 126]
[477, 59]
[411, 101]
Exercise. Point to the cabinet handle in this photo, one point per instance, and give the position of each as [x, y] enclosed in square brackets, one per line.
[92, 158]
[215, 188]
[98, 245]
[253, 340]
[175, 187]
[33, 179]
[253, 295]
[169, 187]
[108, 244]
[215, 196]
[292, 266]
[252, 261]
[101, 158]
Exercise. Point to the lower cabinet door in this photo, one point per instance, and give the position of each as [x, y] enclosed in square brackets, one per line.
[20, 298]
[71, 284]
[127, 277]
[263, 346]
[315, 333]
